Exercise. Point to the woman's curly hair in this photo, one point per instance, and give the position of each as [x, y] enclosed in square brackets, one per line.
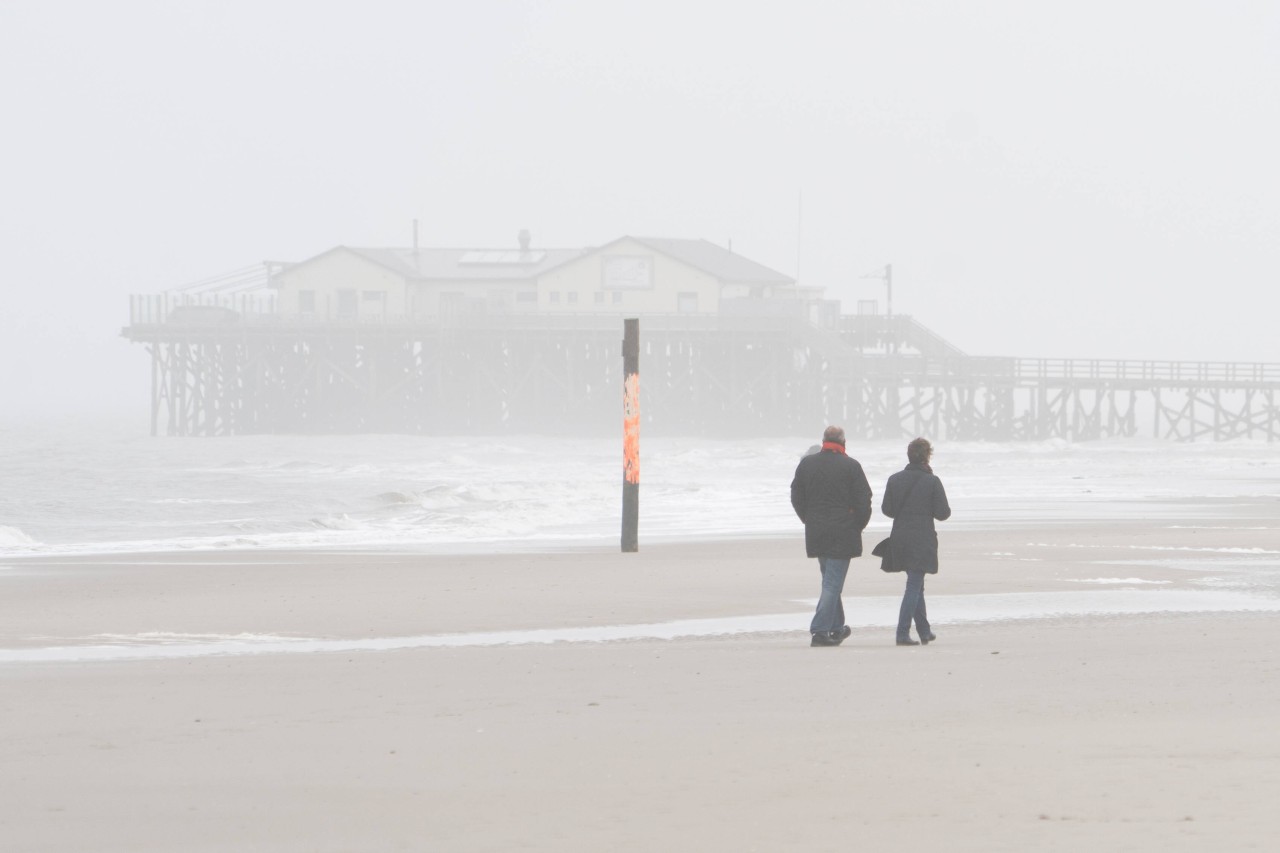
[919, 451]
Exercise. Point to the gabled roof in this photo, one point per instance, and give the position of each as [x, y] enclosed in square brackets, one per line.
[461, 264]
[728, 267]
[718, 261]
[515, 265]
[456, 264]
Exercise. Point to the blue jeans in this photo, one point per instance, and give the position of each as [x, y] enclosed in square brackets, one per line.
[830, 613]
[913, 608]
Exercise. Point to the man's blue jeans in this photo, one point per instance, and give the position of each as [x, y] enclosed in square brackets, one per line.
[913, 608]
[830, 613]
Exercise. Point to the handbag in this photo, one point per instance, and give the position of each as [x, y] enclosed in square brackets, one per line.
[884, 549]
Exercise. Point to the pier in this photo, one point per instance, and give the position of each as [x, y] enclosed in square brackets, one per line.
[236, 366]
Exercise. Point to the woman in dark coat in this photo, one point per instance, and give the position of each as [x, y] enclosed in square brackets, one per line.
[913, 498]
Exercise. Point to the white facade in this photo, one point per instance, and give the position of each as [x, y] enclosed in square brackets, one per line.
[628, 277]
[631, 276]
[340, 285]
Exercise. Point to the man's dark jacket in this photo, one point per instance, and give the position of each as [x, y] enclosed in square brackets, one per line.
[833, 499]
[913, 498]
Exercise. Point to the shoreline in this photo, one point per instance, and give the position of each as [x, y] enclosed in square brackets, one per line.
[250, 599]
[1195, 512]
[863, 614]
[441, 693]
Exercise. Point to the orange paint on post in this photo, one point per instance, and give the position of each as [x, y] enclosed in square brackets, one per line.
[631, 429]
[630, 434]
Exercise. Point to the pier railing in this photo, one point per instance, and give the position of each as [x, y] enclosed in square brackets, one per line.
[159, 308]
[1154, 371]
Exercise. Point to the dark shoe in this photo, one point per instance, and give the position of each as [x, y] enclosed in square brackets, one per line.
[838, 637]
[926, 639]
[907, 642]
[822, 638]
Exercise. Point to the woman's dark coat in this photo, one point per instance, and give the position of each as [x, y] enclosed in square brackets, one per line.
[913, 498]
[833, 499]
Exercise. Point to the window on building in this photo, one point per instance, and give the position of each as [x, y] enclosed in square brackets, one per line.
[452, 304]
[573, 296]
[599, 297]
[555, 296]
[687, 302]
[617, 297]
[373, 295]
[347, 305]
[527, 296]
[306, 301]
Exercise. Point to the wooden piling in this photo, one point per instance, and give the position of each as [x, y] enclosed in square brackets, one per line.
[730, 376]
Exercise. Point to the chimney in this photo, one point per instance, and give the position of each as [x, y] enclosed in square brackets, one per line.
[415, 236]
[524, 239]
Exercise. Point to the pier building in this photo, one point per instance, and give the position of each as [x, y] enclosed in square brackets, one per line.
[524, 339]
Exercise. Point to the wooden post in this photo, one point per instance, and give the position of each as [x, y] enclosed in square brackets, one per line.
[630, 435]
[155, 386]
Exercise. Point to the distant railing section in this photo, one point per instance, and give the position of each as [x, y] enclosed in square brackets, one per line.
[1076, 370]
[209, 308]
[928, 341]
[1155, 371]
[260, 310]
[1000, 370]
[880, 331]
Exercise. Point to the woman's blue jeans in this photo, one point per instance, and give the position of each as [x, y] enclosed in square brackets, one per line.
[830, 613]
[913, 608]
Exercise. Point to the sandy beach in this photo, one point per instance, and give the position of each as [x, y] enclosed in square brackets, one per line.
[1045, 729]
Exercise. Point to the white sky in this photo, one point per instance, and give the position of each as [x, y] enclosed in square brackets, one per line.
[1048, 179]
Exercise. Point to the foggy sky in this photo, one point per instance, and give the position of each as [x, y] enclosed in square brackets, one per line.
[1069, 179]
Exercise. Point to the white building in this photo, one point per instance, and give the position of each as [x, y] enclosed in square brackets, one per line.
[631, 275]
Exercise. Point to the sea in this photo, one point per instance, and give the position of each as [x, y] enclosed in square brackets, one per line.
[76, 487]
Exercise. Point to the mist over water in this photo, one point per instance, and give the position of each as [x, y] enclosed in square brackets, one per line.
[1095, 181]
[1092, 180]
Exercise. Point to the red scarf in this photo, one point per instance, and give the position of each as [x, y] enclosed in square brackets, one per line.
[833, 446]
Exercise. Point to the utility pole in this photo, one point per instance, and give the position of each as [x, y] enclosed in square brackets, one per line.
[887, 278]
[888, 283]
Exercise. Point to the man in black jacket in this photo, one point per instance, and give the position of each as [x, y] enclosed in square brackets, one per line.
[833, 499]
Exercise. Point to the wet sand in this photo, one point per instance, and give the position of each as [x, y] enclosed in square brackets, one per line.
[1148, 731]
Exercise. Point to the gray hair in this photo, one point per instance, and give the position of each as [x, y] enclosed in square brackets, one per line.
[833, 433]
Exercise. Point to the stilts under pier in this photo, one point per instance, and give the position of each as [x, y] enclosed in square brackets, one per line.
[225, 372]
